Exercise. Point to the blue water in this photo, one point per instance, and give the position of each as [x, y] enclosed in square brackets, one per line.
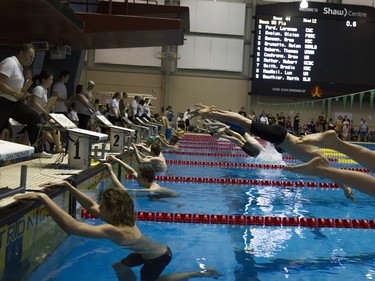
[238, 252]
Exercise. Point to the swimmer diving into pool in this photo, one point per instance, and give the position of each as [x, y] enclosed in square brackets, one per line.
[117, 210]
[289, 143]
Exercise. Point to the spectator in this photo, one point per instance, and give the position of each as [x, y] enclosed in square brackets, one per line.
[132, 110]
[281, 119]
[122, 104]
[263, 118]
[296, 126]
[39, 101]
[59, 90]
[346, 128]
[114, 109]
[252, 116]
[12, 95]
[141, 108]
[242, 111]
[186, 118]
[363, 130]
[170, 113]
[89, 91]
[73, 114]
[84, 107]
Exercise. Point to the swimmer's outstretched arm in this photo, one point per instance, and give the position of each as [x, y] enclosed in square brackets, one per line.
[81, 197]
[66, 222]
[114, 178]
[126, 167]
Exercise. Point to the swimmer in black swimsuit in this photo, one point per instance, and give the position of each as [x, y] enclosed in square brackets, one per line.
[277, 135]
[247, 143]
[117, 210]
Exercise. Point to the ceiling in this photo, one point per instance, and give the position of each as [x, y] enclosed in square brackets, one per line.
[128, 25]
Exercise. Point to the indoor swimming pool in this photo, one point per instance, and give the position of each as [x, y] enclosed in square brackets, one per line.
[248, 218]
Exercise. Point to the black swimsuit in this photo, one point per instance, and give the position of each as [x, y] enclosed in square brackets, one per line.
[272, 133]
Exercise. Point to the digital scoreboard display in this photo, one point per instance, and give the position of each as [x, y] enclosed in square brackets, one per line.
[322, 51]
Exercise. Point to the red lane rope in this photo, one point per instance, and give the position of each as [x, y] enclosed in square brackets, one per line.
[248, 220]
[226, 155]
[244, 181]
[209, 147]
[243, 165]
[219, 143]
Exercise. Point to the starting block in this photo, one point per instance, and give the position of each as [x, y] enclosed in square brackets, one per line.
[159, 126]
[141, 132]
[80, 141]
[119, 137]
[153, 129]
[12, 151]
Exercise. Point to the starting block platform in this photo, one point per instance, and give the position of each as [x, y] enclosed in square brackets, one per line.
[141, 132]
[79, 141]
[119, 137]
[11, 151]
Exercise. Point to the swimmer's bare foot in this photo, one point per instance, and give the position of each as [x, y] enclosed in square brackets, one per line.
[208, 111]
[201, 106]
[223, 130]
[326, 139]
[309, 168]
[194, 113]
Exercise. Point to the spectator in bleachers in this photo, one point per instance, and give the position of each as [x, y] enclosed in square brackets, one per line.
[363, 130]
[281, 119]
[346, 128]
[252, 116]
[296, 126]
[263, 118]
[242, 111]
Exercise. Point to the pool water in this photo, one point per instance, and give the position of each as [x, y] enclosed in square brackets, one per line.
[238, 252]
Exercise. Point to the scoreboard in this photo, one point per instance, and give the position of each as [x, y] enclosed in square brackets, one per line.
[324, 50]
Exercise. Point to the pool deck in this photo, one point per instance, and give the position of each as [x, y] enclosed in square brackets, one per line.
[38, 171]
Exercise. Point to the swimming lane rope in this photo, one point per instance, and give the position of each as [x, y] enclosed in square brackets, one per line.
[243, 165]
[226, 155]
[244, 181]
[248, 220]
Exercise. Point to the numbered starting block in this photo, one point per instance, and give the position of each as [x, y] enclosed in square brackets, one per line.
[141, 132]
[80, 141]
[119, 137]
